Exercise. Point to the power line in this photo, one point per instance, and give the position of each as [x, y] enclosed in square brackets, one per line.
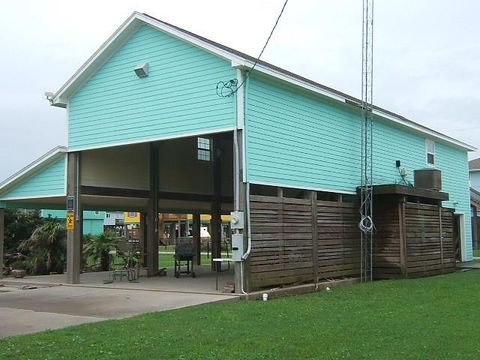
[230, 87]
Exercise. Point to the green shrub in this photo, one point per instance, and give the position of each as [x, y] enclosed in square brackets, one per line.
[21, 265]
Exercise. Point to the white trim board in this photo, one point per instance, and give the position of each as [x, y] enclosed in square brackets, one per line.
[266, 183]
[36, 197]
[238, 59]
[159, 138]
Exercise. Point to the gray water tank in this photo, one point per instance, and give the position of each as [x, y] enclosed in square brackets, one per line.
[428, 178]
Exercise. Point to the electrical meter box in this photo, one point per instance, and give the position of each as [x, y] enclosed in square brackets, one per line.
[237, 247]
[237, 220]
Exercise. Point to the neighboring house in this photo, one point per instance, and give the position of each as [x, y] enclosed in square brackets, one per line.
[163, 120]
[92, 220]
[474, 170]
[114, 218]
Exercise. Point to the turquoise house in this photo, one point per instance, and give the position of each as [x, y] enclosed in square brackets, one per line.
[164, 120]
[92, 220]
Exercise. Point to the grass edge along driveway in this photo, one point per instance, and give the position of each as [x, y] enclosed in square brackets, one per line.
[430, 318]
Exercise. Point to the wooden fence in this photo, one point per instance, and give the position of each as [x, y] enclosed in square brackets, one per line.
[298, 241]
[412, 239]
[301, 240]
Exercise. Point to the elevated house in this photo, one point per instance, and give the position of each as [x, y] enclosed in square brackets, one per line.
[474, 170]
[163, 120]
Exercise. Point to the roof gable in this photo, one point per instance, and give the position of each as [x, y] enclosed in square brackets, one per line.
[474, 164]
[45, 177]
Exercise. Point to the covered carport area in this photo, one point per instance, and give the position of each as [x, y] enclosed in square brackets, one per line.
[185, 175]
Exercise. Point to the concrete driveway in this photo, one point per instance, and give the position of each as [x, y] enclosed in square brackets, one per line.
[26, 311]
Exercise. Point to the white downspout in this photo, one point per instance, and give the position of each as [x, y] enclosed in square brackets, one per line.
[249, 228]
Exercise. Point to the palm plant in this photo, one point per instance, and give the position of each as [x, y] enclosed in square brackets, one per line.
[97, 247]
[46, 247]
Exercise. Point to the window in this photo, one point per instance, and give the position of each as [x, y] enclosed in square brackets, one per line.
[204, 148]
[430, 147]
[108, 215]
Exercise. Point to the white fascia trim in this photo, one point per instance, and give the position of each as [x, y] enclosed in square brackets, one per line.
[15, 198]
[121, 35]
[60, 98]
[33, 166]
[227, 55]
[424, 130]
[271, 72]
[302, 187]
[67, 115]
[240, 97]
[159, 138]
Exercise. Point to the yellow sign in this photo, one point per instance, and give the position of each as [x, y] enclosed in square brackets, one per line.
[70, 220]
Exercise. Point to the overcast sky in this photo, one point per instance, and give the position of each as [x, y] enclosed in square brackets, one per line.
[426, 56]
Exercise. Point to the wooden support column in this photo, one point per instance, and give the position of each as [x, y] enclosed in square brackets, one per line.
[216, 234]
[313, 196]
[74, 232]
[143, 239]
[2, 238]
[246, 263]
[241, 268]
[196, 237]
[161, 229]
[152, 216]
[216, 221]
[179, 226]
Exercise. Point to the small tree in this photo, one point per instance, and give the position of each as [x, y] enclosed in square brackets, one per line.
[97, 247]
[19, 226]
[46, 247]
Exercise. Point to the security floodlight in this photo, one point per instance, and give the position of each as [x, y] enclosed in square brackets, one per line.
[141, 70]
[49, 95]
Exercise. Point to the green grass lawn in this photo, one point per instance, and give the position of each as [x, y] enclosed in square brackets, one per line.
[166, 260]
[431, 318]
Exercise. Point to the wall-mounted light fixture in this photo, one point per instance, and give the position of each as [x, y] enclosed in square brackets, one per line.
[141, 70]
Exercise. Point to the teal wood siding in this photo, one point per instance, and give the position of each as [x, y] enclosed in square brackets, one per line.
[295, 139]
[46, 181]
[92, 220]
[177, 97]
[93, 227]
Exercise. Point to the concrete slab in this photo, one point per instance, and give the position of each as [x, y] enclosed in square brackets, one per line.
[24, 311]
[18, 321]
[469, 265]
[203, 283]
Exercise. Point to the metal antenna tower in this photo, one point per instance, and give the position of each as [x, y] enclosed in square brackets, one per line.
[366, 189]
